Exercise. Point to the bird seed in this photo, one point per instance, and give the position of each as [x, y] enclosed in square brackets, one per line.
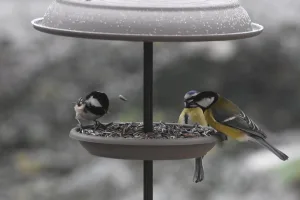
[161, 130]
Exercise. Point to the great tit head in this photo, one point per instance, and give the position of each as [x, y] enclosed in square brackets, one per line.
[204, 99]
[188, 103]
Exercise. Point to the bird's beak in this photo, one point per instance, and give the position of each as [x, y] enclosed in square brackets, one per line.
[187, 103]
[190, 102]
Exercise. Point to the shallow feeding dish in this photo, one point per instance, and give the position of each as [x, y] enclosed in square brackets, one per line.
[169, 141]
[155, 20]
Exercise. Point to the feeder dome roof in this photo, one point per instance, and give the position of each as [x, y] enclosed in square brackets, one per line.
[143, 20]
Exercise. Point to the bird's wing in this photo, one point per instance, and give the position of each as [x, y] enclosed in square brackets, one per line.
[231, 115]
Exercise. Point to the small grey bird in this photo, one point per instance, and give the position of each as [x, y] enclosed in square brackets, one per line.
[92, 107]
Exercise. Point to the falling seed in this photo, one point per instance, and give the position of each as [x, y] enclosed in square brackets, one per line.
[122, 97]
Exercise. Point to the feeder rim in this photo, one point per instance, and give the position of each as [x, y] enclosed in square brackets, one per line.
[37, 24]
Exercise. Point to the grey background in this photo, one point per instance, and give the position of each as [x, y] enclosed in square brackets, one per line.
[41, 75]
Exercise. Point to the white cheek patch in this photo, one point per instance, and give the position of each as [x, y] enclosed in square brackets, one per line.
[206, 102]
[94, 102]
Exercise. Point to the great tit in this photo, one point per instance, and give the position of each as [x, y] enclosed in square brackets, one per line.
[192, 114]
[91, 108]
[226, 117]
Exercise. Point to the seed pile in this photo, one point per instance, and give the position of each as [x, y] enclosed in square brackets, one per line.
[161, 130]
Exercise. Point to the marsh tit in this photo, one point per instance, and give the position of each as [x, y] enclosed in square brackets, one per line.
[91, 108]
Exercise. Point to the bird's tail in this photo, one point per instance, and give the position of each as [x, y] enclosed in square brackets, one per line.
[277, 152]
[199, 171]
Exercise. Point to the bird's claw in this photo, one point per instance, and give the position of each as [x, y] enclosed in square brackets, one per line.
[107, 125]
[80, 128]
[198, 180]
[98, 124]
[221, 136]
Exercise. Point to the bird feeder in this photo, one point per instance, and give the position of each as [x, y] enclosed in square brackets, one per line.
[148, 22]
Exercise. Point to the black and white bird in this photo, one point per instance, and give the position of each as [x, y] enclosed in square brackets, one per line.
[91, 108]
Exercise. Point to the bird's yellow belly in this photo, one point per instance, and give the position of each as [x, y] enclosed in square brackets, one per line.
[194, 115]
[197, 120]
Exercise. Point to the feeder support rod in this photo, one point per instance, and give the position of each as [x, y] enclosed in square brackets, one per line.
[148, 115]
[148, 87]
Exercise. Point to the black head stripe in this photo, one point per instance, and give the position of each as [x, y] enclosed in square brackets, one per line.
[96, 110]
[203, 95]
[101, 97]
[103, 100]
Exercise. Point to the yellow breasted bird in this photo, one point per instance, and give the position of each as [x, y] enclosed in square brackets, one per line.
[226, 117]
[193, 114]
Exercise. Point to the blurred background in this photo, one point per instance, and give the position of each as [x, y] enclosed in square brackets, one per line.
[41, 75]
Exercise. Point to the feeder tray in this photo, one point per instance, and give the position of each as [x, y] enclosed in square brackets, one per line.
[168, 141]
[155, 20]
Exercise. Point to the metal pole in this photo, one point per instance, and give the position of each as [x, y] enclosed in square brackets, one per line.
[148, 115]
[148, 86]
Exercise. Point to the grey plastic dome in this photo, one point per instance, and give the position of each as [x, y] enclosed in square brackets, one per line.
[143, 20]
